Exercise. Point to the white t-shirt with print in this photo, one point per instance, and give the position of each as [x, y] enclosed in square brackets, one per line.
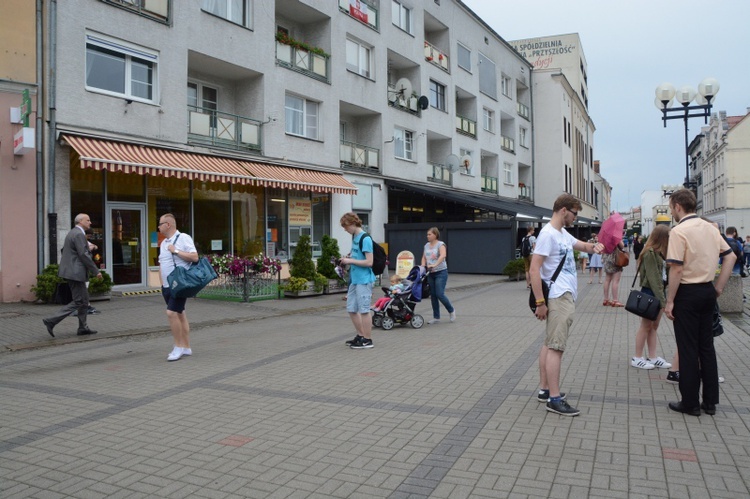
[555, 244]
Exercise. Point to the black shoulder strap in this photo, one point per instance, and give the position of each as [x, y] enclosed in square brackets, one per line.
[174, 242]
[559, 268]
[361, 239]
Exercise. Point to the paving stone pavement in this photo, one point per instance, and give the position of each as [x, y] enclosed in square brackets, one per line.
[273, 404]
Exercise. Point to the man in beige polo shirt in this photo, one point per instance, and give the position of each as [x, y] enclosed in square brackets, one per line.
[694, 250]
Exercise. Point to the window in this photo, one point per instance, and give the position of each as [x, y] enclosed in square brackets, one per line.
[507, 173]
[464, 58]
[401, 16]
[156, 9]
[358, 58]
[522, 137]
[301, 117]
[403, 144]
[121, 69]
[487, 77]
[437, 95]
[236, 11]
[506, 86]
[203, 99]
[488, 119]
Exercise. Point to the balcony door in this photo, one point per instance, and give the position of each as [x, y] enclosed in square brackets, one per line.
[126, 252]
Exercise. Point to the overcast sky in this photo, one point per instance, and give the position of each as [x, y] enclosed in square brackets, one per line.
[631, 46]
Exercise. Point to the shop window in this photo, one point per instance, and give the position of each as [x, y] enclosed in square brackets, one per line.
[166, 195]
[249, 220]
[121, 69]
[125, 187]
[277, 238]
[211, 217]
[87, 196]
[321, 219]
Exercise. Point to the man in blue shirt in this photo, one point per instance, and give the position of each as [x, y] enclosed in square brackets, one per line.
[361, 278]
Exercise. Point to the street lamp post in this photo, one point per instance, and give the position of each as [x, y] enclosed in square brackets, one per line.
[707, 90]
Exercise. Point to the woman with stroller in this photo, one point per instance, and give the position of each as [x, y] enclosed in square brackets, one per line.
[433, 259]
[652, 270]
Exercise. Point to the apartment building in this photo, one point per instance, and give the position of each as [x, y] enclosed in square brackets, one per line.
[255, 122]
[725, 179]
[563, 128]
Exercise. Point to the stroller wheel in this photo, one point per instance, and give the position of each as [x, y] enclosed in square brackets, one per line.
[417, 321]
[387, 323]
[377, 320]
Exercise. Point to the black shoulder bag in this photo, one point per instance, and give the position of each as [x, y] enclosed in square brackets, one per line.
[545, 286]
[640, 303]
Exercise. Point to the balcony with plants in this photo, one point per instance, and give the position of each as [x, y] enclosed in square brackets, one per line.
[369, 15]
[302, 57]
[436, 39]
[524, 191]
[435, 56]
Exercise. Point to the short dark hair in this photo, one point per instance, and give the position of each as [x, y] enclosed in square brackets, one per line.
[685, 198]
[566, 201]
[732, 230]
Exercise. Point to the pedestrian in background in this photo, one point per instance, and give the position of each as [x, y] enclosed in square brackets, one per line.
[177, 249]
[612, 275]
[527, 249]
[433, 258]
[652, 271]
[693, 252]
[595, 261]
[638, 247]
[75, 266]
[361, 277]
[746, 250]
[554, 245]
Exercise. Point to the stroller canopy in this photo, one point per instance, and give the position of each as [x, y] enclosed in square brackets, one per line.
[416, 275]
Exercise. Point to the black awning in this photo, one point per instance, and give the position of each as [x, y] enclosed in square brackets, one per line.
[484, 202]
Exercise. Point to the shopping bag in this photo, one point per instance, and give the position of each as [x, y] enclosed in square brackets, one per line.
[187, 282]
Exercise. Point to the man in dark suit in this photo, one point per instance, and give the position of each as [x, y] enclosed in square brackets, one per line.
[75, 265]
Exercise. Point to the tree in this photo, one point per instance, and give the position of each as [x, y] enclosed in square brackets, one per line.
[329, 251]
[301, 264]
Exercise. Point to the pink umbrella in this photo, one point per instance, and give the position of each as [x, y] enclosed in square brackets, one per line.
[610, 234]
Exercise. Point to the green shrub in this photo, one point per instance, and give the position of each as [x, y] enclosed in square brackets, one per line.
[301, 264]
[46, 283]
[296, 284]
[101, 286]
[320, 282]
[515, 269]
[329, 250]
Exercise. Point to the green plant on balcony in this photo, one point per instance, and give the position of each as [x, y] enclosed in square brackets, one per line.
[284, 38]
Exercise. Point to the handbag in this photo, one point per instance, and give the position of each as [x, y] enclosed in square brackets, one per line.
[187, 282]
[642, 304]
[545, 286]
[622, 259]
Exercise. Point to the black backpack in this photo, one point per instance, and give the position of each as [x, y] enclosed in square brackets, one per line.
[525, 246]
[379, 258]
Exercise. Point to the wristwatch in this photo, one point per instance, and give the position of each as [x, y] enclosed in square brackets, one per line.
[176, 251]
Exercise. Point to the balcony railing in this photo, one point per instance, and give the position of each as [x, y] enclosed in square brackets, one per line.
[207, 126]
[406, 103]
[466, 126]
[314, 65]
[524, 192]
[357, 156]
[523, 111]
[370, 16]
[507, 144]
[435, 56]
[489, 184]
[439, 174]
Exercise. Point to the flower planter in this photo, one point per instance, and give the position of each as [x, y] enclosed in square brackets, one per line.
[101, 296]
[335, 286]
[310, 291]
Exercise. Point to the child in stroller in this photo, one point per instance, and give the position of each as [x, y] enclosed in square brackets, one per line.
[396, 288]
[399, 307]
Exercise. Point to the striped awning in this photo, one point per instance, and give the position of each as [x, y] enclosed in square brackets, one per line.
[100, 154]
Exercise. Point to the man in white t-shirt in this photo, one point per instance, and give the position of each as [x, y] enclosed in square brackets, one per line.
[552, 246]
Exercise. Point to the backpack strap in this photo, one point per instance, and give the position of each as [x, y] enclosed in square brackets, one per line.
[361, 239]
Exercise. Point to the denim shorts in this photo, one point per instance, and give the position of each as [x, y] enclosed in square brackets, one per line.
[358, 298]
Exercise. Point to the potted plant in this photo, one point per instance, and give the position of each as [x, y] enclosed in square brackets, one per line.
[515, 270]
[100, 287]
[301, 266]
[327, 267]
[47, 284]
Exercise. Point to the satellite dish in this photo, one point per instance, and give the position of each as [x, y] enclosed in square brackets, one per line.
[466, 162]
[452, 163]
[403, 88]
[423, 102]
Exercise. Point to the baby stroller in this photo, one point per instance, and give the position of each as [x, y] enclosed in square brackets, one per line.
[400, 309]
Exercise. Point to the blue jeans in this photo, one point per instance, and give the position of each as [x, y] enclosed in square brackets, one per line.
[437, 282]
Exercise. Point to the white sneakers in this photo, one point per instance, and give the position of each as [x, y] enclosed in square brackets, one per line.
[178, 352]
[433, 321]
[660, 363]
[453, 316]
[641, 363]
[436, 321]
